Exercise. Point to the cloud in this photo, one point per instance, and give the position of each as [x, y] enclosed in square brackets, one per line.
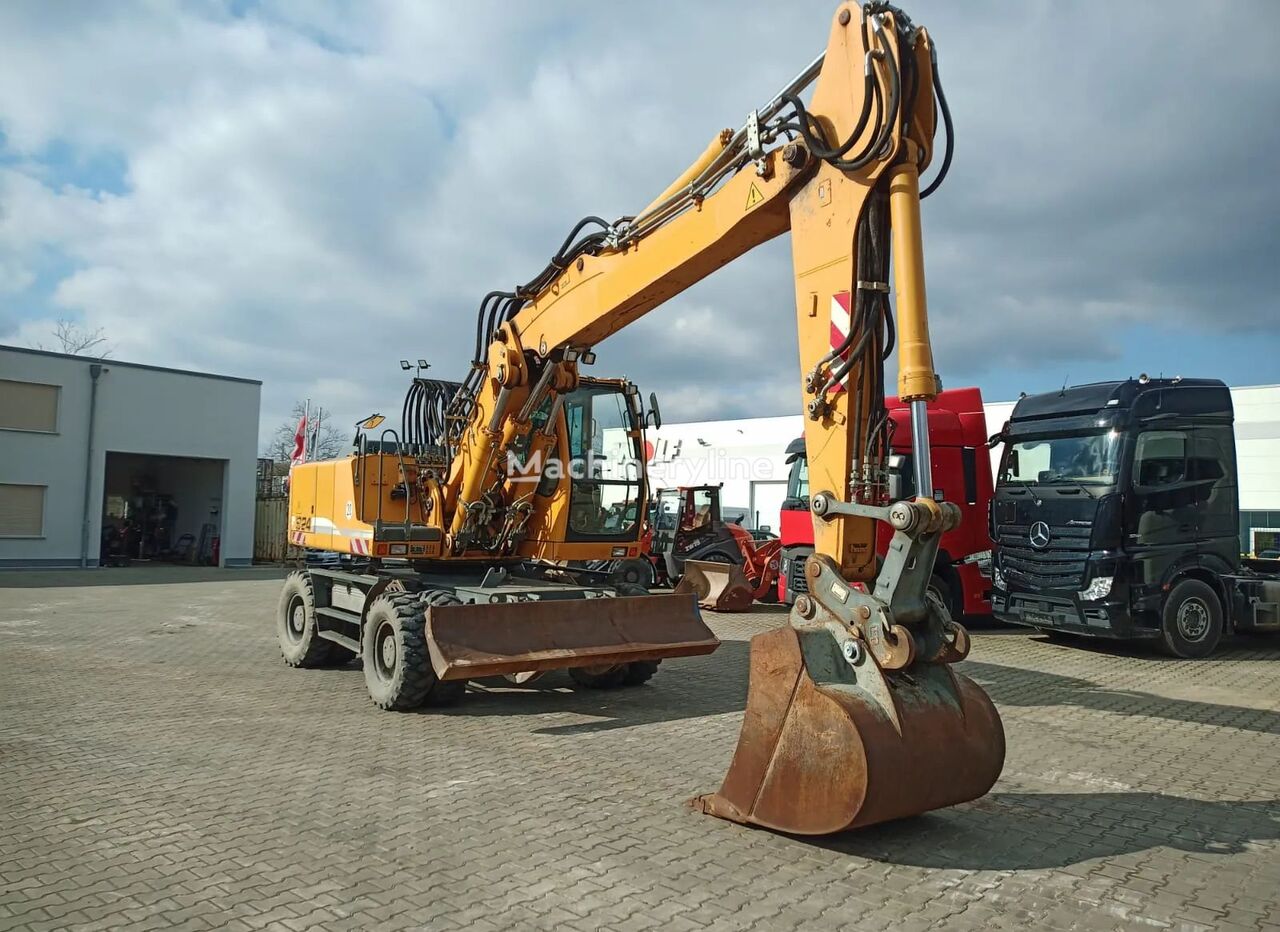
[306, 192]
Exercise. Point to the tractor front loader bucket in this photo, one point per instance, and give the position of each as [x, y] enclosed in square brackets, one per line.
[473, 641]
[827, 745]
[720, 587]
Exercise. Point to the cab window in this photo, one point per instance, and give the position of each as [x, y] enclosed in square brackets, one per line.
[1160, 458]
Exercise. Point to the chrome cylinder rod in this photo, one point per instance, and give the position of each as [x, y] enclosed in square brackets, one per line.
[920, 448]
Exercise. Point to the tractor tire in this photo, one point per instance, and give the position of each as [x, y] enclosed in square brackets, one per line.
[1191, 621]
[442, 692]
[397, 671]
[300, 641]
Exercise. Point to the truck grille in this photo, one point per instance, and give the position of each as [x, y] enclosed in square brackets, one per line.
[794, 571]
[1058, 566]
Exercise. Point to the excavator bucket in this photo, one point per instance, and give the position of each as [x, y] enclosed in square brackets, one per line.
[498, 639]
[826, 746]
[720, 587]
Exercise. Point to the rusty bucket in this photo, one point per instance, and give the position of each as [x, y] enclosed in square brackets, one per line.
[473, 641]
[826, 746]
[720, 587]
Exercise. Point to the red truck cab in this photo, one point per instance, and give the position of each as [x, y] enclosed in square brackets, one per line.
[961, 474]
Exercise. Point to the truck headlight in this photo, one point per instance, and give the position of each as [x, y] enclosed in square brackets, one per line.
[997, 578]
[1099, 588]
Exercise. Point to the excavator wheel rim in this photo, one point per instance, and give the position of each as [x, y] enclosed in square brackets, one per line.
[385, 652]
[296, 624]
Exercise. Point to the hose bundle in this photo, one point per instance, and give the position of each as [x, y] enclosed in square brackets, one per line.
[423, 419]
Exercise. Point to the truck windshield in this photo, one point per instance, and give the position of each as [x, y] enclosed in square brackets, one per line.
[1080, 458]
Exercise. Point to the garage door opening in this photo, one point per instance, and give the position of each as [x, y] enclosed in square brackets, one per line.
[161, 509]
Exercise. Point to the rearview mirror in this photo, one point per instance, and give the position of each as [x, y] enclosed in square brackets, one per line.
[654, 418]
[897, 489]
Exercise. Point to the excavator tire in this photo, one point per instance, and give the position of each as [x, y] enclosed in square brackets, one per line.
[640, 672]
[397, 671]
[300, 642]
[603, 677]
[442, 692]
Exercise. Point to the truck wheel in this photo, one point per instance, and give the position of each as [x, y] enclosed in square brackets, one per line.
[1191, 621]
[605, 676]
[442, 692]
[397, 671]
[942, 590]
[300, 642]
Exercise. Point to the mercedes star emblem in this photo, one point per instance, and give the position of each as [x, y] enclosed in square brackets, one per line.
[1039, 535]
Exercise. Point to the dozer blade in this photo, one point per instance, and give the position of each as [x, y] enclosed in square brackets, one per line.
[720, 587]
[472, 641]
[827, 747]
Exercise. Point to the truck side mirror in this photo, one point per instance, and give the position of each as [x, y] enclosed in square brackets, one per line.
[655, 413]
[896, 488]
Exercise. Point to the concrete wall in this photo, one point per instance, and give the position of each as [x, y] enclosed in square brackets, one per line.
[140, 410]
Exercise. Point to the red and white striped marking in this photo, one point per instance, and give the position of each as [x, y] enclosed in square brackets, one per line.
[360, 546]
[841, 321]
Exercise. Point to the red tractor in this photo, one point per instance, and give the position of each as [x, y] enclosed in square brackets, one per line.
[693, 547]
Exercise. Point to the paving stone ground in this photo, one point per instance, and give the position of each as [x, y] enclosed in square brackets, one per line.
[161, 768]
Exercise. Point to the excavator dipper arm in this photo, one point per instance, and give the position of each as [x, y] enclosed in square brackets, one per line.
[854, 713]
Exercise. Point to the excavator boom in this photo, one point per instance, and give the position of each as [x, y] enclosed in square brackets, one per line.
[854, 712]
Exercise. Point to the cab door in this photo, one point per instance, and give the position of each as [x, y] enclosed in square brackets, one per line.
[1163, 518]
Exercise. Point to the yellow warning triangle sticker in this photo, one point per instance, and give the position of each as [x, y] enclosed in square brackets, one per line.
[754, 197]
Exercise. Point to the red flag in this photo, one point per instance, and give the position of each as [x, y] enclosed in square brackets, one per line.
[299, 443]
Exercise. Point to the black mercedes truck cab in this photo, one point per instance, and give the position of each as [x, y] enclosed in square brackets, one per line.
[1116, 514]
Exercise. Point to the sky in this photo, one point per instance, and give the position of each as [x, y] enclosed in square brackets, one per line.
[307, 191]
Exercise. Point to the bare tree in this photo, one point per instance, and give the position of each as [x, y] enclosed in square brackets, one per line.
[328, 445]
[78, 340]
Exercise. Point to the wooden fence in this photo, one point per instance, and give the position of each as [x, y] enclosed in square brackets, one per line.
[270, 524]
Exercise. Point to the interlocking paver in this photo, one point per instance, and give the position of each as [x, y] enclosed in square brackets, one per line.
[154, 777]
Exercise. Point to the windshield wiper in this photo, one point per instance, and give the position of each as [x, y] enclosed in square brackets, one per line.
[1026, 486]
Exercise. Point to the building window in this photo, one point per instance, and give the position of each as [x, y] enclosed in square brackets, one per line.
[28, 406]
[21, 510]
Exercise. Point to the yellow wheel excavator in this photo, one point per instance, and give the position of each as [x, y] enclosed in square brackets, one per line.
[468, 517]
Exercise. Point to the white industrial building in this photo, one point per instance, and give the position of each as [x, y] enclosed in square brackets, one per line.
[748, 457]
[109, 461]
